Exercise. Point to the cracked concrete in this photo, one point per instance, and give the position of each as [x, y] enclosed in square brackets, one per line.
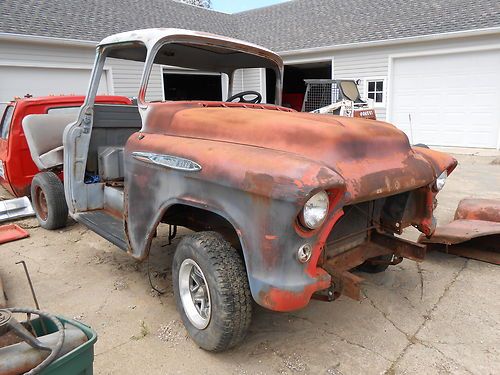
[413, 340]
[438, 317]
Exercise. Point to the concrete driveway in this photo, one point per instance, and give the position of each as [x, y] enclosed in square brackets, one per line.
[439, 317]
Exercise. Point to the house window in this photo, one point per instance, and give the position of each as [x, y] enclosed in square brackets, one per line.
[375, 90]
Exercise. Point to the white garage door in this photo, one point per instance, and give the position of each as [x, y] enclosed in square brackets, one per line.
[448, 100]
[19, 81]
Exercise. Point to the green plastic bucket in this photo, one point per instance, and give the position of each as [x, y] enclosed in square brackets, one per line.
[80, 360]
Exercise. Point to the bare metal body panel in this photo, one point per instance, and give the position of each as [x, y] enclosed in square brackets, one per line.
[474, 233]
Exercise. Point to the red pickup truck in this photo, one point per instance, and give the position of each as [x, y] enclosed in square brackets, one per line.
[17, 168]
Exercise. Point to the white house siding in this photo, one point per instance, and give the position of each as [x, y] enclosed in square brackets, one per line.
[127, 78]
[250, 80]
[123, 76]
[373, 62]
[16, 58]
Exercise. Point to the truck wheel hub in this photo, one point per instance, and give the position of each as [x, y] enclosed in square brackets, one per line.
[41, 203]
[194, 293]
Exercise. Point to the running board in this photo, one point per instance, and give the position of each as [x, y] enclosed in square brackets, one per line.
[106, 226]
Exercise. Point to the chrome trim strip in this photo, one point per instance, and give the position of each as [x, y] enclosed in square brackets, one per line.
[168, 161]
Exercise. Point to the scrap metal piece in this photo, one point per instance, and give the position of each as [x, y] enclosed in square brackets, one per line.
[460, 231]
[15, 208]
[471, 251]
[478, 209]
[30, 283]
[475, 232]
[12, 232]
[32, 292]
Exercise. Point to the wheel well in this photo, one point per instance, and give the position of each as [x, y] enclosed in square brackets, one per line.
[198, 220]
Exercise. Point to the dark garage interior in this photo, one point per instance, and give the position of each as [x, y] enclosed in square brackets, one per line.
[294, 86]
[191, 86]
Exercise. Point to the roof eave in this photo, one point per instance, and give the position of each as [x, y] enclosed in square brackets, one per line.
[385, 42]
[47, 40]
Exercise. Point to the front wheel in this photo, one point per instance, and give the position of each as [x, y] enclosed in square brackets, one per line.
[211, 291]
[49, 202]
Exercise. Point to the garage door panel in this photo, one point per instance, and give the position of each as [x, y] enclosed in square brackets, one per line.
[428, 118]
[19, 81]
[483, 100]
[452, 99]
[479, 122]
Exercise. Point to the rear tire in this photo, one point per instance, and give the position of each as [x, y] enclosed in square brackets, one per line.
[370, 267]
[206, 270]
[49, 202]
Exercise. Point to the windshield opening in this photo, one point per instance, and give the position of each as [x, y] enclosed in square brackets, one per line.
[192, 71]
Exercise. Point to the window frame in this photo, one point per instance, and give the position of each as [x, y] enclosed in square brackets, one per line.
[383, 103]
[165, 69]
[2, 122]
[60, 109]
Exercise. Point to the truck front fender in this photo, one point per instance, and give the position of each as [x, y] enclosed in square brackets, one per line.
[259, 191]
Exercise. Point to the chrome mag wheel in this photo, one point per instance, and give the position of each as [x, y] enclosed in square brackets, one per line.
[195, 294]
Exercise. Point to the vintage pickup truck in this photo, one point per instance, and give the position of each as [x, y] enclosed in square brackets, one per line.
[283, 204]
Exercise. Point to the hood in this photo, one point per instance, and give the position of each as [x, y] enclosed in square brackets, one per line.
[374, 158]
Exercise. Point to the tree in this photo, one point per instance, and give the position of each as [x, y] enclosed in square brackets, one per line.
[199, 3]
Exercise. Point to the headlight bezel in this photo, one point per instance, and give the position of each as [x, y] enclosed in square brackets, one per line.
[440, 182]
[320, 200]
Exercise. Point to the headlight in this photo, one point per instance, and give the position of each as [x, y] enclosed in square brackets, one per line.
[441, 181]
[315, 210]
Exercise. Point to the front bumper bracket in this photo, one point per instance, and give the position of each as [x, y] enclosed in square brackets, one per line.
[340, 266]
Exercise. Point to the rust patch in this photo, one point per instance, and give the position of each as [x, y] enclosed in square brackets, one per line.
[287, 300]
[478, 209]
[270, 237]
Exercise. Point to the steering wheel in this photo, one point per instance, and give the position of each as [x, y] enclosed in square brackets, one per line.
[241, 97]
[9, 323]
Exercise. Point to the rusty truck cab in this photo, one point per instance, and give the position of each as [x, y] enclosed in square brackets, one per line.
[94, 144]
